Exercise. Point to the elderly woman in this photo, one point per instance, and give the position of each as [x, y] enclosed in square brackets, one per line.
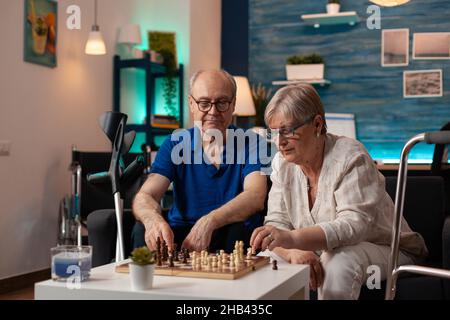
[328, 206]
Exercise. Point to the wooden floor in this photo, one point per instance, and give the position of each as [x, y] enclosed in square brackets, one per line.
[24, 294]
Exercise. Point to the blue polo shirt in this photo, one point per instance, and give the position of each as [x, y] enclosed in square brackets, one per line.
[198, 186]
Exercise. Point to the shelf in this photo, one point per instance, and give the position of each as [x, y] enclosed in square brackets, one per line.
[146, 128]
[143, 63]
[322, 82]
[152, 71]
[318, 19]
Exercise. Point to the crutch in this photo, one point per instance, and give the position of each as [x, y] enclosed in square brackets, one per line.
[113, 124]
[439, 137]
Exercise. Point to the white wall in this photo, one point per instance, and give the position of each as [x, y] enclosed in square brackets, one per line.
[44, 111]
[205, 36]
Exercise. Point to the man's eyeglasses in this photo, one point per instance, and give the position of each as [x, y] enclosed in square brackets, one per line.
[285, 132]
[206, 105]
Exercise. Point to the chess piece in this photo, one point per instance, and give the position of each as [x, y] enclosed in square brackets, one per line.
[185, 257]
[158, 245]
[158, 259]
[171, 265]
[249, 253]
[274, 265]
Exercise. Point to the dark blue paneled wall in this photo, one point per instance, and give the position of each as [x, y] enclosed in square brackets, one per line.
[385, 120]
[235, 20]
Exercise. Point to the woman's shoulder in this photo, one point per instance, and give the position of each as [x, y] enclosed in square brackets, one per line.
[343, 149]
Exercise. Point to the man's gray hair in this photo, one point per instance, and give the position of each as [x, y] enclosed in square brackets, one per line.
[300, 102]
[227, 76]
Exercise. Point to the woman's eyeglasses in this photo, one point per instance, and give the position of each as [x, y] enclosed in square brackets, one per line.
[287, 132]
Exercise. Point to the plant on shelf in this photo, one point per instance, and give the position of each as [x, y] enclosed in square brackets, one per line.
[142, 268]
[305, 59]
[170, 84]
[333, 6]
[261, 96]
[305, 67]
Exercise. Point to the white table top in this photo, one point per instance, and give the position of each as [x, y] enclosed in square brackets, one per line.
[263, 283]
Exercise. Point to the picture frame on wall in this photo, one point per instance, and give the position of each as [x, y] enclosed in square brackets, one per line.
[395, 47]
[422, 83]
[40, 32]
[431, 46]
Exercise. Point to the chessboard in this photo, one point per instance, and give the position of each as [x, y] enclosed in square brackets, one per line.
[205, 265]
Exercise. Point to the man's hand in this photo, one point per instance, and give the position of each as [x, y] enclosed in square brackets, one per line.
[296, 256]
[269, 237]
[200, 236]
[156, 227]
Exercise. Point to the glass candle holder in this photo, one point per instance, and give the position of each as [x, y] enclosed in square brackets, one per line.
[71, 262]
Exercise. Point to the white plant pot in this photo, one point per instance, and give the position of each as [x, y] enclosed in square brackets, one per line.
[141, 276]
[333, 8]
[305, 71]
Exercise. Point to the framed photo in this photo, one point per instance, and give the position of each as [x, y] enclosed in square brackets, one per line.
[431, 46]
[422, 83]
[395, 47]
[40, 32]
[164, 43]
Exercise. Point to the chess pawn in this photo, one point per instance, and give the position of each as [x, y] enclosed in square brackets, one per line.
[274, 265]
[249, 253]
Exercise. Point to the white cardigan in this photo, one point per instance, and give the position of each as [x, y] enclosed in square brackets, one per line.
[351, 204]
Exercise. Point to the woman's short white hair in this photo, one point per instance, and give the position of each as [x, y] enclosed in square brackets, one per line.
[300, 102]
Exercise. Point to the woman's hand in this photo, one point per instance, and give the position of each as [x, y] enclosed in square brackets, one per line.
[296, 256]
[269, 237]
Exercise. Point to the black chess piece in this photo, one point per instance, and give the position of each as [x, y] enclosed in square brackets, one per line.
[158, 245]
[274, 265]
[158, 259]
[171, 265]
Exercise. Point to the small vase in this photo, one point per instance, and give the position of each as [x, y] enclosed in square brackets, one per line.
[141, 276]
[333, 8]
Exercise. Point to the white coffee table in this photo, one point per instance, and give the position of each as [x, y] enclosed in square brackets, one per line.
[288, 282]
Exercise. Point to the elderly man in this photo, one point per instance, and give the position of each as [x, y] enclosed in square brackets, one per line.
[212, 199]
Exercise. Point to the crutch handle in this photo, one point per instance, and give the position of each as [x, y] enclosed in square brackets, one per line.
[438, 137]
[98, 178]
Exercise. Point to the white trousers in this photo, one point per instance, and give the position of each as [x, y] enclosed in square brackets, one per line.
[346, 269]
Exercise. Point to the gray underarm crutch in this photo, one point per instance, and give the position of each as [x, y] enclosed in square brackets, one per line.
[439, 137]
[113, 124]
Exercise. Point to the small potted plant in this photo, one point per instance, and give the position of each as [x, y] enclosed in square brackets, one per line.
[305, 67]
[261, 96]
[142, 268]
[333, 6]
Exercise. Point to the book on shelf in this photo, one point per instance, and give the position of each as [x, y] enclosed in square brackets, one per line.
[164, 121]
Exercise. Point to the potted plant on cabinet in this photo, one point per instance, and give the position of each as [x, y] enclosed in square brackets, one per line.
[333, 6]
[305, 67]
[142, 268]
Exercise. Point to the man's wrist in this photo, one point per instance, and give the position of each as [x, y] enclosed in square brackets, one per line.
[151, 218]
[214, 220]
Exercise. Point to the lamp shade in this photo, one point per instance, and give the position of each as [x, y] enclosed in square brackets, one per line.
[245, 107]
[95, 44]
[130, 34]
[389, 3]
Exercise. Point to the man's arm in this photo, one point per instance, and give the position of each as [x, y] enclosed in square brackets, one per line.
[147, 209]
[238, 209]
[244, 205]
